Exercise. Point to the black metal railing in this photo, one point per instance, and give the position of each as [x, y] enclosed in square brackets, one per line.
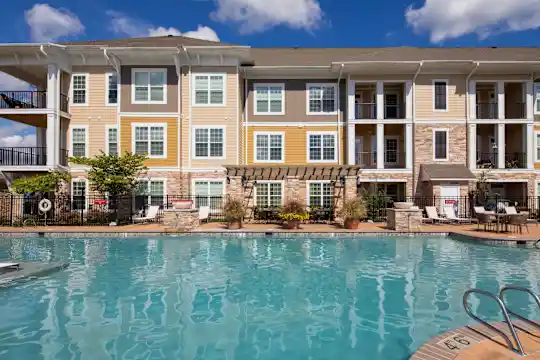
[394, 111]
[23, 99]
[394, 159]
[516, 160]
[486, 160]
[365, 110]
[487, 111]
[517, 110]
[367, 160]
[64, 103]
[23, 156]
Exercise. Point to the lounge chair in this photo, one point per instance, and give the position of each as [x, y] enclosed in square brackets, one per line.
[510, 210]
[450, 213]
[9, 265]
[151, 215]
[204, 213]
[484, 219]
[432, 215]
[518, 221]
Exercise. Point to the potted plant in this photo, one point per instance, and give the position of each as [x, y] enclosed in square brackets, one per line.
[353, 211]
[292, 214]
[234, 213]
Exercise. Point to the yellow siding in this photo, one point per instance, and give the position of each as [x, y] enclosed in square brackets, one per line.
[295, 143]
[456, 98]
[126, 134]
[96, 115]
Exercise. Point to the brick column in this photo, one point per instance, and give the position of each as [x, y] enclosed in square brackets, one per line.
[344, 192]
[249, 199]
[292, 189]
[235, 189]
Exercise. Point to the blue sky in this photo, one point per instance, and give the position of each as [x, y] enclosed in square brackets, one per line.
[309, 23]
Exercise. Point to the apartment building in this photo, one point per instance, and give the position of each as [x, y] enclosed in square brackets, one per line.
[274, 123]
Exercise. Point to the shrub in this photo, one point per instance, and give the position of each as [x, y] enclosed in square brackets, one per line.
[354, 209]
[293, 210]
[234, 210]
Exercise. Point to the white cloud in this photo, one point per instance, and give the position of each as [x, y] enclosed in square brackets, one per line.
[18, 140]
[123, 24]
[258, 15]
[8, 82]
[49, 24]
[448, 19]
[15, 134]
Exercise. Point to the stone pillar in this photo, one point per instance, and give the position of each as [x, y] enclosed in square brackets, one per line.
[249, 199]
[343, 192]
[235, 189]
[292, 189]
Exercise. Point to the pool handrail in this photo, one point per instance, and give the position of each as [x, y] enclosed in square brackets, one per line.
[491, 327]
[525, 290]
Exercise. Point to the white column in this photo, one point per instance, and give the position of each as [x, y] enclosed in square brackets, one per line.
[501, 146]
[380, 100]
[408, 100]
[472, 146]
[53, 120]
[53, 123]
[530, 146]
[351, 145]
[409, 146]
[351, 113]
[529, 100]
[472, 100]
[380, 146]
[500, 99]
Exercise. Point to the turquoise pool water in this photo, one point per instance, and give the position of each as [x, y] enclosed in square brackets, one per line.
[250, 298]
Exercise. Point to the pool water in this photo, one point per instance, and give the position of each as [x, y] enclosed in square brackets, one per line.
[251, 298]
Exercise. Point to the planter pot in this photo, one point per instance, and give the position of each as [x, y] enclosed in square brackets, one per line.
[292, 224]
[351, 224]
[234, 224]
[403, 205]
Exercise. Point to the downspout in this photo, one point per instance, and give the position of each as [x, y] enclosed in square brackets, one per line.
[338, 142]
[414, 122]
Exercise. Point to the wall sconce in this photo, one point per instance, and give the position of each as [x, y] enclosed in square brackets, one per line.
[244, 180]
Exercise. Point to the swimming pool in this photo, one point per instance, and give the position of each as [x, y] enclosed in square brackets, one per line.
[230, 298]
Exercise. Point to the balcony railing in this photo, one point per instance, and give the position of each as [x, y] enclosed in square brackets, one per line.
[517, 110]
[23, 99]
[393, 112]
[23, 156]
[367, 160]
[515, 160]
[486, 160]
[365, 111]
[487, 111]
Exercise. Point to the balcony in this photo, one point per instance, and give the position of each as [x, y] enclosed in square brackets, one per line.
[28, 156]
[367, 160]
[517, 160]
[365, 110]
[486, 160]
[511, 160]
[487, 110]
[29, 100]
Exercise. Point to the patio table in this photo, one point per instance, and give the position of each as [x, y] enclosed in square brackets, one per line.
[501, 221]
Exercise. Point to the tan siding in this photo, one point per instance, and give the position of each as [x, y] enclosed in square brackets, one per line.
[295, 143]
[126, 133]
[456, 98]
[96, 115]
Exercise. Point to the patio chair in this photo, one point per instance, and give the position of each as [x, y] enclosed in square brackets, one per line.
[151, 215]
[450, 213]
[510, 210]
[518, 221]
[204, 213]
[484, 219]
[433, 216]
[9, 265]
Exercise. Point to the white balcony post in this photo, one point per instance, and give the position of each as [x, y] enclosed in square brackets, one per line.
[409, 146]
[530, 146]
[472, 99]
[41, 137]
[351, 144]
[501, 146]
[351, 88]
[529, 100]
[472, 146]
[408, 100]
[53, 119]
[380, 146]
[380, 100]
[500, 99]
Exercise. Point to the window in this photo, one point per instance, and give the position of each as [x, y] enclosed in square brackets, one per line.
[149, 86]
[440, 144]
[208, 193]
[78, 141]
[269, 147]
[440, 95]
[78, 194]
[79, 89]
[209, 142]
[269, 194]
[537, 98]
[112, 141]
[269, 99]
[537, 144]
[209, 89]
[321, 98]
[322, 147]
[150, 139]
[320, 194]
[391, 147]
[112, 89]
[149, 192]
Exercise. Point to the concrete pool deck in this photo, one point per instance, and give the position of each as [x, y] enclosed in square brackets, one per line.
[29, 270]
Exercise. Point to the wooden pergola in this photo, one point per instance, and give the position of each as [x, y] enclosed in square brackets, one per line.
[281, 172]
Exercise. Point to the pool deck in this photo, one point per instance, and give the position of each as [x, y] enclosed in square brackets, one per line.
[480, 343]
[469, 231]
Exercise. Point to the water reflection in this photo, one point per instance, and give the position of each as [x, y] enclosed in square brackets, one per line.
[250, 298]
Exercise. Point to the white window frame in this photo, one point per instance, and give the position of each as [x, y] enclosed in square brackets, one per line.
[308, 185]
[336, 106]
[224, 77]
[148, 70]
[87, 83]
[391, 137]
[150, 179]
[268, 133]
[536, 98]
[267, 85]
[433, 95]
[536, 145]
[107, 76]
[269, 182]
[193, 147]
[149, 125]
[87, 189]
[208, 180]
[85, 128]
[447, 144]
[321, 133]
[107, 128]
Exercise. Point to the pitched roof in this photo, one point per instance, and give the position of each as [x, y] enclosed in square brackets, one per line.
[445, 172]
[154, 41]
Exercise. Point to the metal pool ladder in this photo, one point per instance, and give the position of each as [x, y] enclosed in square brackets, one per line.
[518, 348]
[520, 289]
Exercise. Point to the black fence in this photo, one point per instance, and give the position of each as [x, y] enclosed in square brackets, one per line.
[23, 156]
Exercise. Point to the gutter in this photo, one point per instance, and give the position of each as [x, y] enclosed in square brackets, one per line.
[414, 122]
[338, 142]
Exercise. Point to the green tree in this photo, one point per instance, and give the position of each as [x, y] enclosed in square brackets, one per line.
[42, 183]
[113, 174]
